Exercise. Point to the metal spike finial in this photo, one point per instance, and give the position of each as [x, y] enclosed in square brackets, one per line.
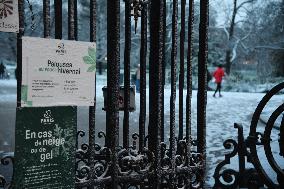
[136, 8]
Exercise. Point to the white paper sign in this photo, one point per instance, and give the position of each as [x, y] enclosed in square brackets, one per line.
[58, 72]
[9, 16]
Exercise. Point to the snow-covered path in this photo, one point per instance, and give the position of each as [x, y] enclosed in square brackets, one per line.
[222, 113]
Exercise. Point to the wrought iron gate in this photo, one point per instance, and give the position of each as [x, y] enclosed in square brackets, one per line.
[154, 162]
[248, 151]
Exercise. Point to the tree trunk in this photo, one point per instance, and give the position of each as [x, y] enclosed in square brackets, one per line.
[228, 62]
[231, 33]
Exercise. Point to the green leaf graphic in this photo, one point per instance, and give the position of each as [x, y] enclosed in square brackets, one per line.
[63, 150]
[91, 59]
[24, 93]
[92, 53]
[88, 60]
[92, 68]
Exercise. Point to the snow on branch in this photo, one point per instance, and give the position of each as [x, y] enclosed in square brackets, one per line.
[245, 2]
[270, 47]
[227, 33]
[234, 51]
[246, 36]
[244, 47]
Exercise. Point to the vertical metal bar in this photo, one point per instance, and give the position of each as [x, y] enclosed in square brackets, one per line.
[113, 62]
[189, 78]
[202, 81]
[71, 19]
[143, 55]
[19, 49]
[173, 84]
[181, 74]
[76, 19]
[152, 118]
[164, 39]
[160, 87]
[92, 109]
[72, 8]
[46, 18]
[127, 51]
[58, 19]
[155, 106]
[164, 68]
[21, 9]
[241, 154]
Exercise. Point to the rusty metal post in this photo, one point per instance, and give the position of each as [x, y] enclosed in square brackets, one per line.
[113, 63]
[21, 5]
[189, 78]
[127, 51]
[202, 83]
[71, 20]
[58, 18]
[164, 68]
[19, 49]
[76, 19]
[155, 87]
[181, 74]
[173, 84]
[143, 55]
[92, 109]
[46, 18]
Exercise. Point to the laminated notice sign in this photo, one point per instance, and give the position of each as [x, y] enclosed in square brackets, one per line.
[58, 72]
[9, 16]
[45, 148]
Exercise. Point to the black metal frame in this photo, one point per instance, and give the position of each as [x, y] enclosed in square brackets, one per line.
[151, 164]
[247, 149]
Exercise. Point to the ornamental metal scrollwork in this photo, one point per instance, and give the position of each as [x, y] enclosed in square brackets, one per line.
[281, 138]
[134, 162]
[136, 166]
[266, 139]
[229, 178]
[101, 167]
[257, 176]
[6, 161]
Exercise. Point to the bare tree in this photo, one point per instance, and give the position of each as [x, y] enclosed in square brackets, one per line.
[267, 37]
[233, 41]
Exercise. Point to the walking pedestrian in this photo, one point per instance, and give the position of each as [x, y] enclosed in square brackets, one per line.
[218, 75]
[209, 77]
[138, 78]
[2, 70]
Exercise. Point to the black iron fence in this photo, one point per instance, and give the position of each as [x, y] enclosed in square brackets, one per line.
[152, 160]
[149, 162]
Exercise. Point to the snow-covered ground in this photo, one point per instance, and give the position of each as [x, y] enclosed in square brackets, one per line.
[222, 113]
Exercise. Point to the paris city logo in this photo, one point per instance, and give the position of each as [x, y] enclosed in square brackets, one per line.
[60, 48]
[6, 8]
[47, 118]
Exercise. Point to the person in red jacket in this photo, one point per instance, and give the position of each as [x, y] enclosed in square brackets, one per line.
[218, 75]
